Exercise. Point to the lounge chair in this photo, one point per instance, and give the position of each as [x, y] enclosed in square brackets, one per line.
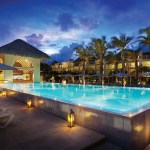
[5, 118]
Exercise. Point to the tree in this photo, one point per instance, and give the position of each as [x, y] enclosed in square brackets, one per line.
[45, 69]
[99, 47]
[121, 45]
[83, 54]
[134, 56]
[145, 39]
[112, 58]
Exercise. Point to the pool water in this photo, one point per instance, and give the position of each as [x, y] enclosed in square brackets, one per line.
[119, 100]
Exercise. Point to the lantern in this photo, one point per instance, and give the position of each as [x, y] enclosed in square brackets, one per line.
[71, 119]
[29, 102]
[41, 102]
[4, 93]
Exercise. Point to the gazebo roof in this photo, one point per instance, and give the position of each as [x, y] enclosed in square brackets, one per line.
[21, 48]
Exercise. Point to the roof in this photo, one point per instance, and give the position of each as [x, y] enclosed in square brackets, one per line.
[21, 48]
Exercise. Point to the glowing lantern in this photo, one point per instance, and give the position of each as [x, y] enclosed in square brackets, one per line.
[29, 102]
[138, 128]
[4, 93]
[71, 119]
[41, 102]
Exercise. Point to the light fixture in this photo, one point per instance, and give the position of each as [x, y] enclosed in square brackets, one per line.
[41, 101]
[130, 115]
[29, 102]
[71, 119]
[4, 93]
[138, 128]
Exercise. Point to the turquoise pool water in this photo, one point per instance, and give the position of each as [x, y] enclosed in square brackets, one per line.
[120, 100]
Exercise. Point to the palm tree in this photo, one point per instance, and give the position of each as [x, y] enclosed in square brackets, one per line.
[99, 47]
[134, 56]
[113, 58]
[145, 39]
[83, 54]
[121, 45]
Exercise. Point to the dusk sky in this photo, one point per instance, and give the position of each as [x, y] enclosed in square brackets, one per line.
[57, 26]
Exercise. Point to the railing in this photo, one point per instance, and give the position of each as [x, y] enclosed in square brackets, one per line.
[12, 83]
[146, 57]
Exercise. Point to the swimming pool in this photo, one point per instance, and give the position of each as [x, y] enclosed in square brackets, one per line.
[119, 100]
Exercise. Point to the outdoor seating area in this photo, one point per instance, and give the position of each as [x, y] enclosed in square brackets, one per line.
[119, 79]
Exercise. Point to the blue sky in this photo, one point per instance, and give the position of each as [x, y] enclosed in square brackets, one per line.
[56, 26]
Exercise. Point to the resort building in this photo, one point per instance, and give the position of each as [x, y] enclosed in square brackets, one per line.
[25, 58]
[93, 65]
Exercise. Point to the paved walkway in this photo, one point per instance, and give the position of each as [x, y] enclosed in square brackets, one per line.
[148, 147]
[33, 129]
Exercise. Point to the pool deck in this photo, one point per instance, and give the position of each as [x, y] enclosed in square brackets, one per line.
[34, 129]
[148, 147]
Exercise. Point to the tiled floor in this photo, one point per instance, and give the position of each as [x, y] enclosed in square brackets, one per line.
[33, 129]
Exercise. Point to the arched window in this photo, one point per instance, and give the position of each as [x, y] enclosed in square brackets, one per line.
[24, 72]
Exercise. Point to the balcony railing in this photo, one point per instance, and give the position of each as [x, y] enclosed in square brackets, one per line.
[146, 57]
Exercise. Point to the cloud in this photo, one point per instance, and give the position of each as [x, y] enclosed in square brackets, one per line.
[65, 53]
[66, 22]
[89, 23]
[34, 39]
[52, 45]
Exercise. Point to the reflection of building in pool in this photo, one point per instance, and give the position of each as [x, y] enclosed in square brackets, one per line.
[25, 58]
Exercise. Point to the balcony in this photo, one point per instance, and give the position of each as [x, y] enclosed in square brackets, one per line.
[146, 56]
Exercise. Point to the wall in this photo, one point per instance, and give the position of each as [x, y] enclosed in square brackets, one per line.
[11, 59]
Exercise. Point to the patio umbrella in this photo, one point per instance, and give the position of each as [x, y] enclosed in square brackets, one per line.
[6, 67]
[121, 74]
[145, 74]
[82, 75]
[68, 75]
[100, 75]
